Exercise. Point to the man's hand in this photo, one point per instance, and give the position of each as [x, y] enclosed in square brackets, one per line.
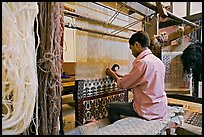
[111, 73]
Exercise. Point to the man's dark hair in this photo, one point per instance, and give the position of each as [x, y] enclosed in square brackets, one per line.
[141, 37]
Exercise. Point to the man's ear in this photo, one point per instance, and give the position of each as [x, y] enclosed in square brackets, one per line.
[137, 44]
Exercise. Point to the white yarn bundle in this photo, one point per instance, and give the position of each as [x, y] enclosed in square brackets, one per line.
[19, 70]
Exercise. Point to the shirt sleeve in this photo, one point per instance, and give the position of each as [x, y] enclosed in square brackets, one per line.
[133, 78]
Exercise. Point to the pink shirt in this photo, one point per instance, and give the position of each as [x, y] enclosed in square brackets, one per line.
[147, 81]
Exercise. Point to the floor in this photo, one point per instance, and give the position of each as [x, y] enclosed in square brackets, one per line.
[68, 112]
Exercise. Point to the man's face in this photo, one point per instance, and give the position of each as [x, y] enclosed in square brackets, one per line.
[135, 49]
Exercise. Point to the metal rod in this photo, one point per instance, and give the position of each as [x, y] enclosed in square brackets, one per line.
[114, 10]
[153, 7]
[67, 13]
[125, 27]
[94, 31]
[116, 13]
[134, 10]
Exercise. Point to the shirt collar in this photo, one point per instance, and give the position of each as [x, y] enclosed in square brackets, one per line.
[143, 54]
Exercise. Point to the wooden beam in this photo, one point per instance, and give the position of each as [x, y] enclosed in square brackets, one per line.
[194, 17]
[168, 23]
[179, 33]
[172, 22]
[170, 15]
[66, 7]
[188, 8]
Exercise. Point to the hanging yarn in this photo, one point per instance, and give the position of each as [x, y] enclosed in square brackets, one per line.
[19, 70]
[49, 66]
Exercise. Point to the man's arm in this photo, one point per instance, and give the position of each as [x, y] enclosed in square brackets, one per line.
[118, 74]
